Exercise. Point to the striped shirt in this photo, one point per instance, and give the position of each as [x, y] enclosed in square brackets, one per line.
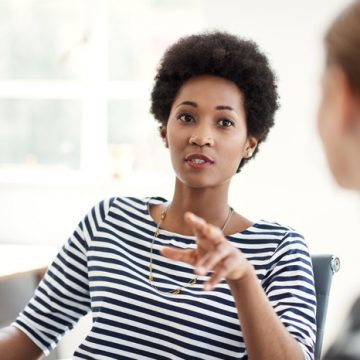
[103, 269]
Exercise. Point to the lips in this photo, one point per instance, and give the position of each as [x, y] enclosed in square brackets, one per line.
[198, 161]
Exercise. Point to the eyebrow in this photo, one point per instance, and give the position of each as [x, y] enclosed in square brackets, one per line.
[224, 107]
[191, 103]
[194, 104]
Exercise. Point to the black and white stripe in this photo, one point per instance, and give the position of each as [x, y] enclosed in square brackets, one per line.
[103, 268]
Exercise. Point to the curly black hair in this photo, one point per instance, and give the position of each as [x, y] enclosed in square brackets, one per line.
[227, 56]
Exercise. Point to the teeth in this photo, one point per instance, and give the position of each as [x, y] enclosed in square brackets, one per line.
[197, 161]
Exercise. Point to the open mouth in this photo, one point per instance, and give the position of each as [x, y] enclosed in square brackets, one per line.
[198, 161]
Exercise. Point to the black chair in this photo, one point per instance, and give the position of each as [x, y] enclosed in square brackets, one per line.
[325, 266]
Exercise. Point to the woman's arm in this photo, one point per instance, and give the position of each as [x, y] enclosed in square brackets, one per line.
[15, 345]
[265, 335]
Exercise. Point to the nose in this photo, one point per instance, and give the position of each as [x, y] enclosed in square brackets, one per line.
[201, 136]
[200, 140]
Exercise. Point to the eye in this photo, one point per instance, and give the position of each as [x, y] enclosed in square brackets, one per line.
[225, 123]
[186, 118]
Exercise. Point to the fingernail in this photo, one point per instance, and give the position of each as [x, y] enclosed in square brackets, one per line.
[200, 270]
[192, 216]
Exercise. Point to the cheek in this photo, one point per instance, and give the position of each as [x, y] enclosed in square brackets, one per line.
[325, 118]
[330, 138]
[174, 139]
[175, 143]
[236, 151]
[326, 132]
[321, 120]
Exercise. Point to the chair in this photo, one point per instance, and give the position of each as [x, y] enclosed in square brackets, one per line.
[324, 266]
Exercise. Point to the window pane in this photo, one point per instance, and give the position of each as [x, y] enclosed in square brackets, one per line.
[125, 118]
[132, 135]
[40, 132]
[140, 31]
[43, 39]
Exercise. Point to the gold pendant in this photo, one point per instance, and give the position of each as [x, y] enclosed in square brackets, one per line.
[176, 291]
[193, 281]
[151, 278]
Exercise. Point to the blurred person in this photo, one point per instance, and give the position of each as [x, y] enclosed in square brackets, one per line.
[339, 128]
[190, 277]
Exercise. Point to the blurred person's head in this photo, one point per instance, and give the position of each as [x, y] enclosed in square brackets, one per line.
[221, 55]
[339, 113]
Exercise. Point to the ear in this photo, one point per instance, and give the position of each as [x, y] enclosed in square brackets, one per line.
[250, 147]
[163, 134]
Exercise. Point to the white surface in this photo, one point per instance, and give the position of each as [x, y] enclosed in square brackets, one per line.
[20, 259]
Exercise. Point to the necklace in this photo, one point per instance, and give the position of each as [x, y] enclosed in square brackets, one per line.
[156, 234]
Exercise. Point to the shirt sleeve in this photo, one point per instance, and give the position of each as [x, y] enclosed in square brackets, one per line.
[289, 285]
[62, 297]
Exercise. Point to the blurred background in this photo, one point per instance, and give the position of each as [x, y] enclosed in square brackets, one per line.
[75, 82]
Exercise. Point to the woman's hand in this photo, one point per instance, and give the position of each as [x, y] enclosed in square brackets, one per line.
[213, 253]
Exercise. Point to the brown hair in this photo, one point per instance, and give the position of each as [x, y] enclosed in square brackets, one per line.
[342, 42]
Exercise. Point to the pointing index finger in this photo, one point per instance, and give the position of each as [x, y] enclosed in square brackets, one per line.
[204, 229]
[196, 222]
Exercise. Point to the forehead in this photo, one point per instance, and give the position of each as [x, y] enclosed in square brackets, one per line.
[212, 90]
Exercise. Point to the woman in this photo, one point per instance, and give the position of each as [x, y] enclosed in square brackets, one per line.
[164, 283]
[339, 128]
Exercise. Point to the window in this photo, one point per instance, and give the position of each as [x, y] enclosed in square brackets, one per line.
[75, 80]
[40, 133]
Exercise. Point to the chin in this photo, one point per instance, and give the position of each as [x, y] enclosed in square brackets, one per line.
[348, 184]
[346, 181]
[195, 182]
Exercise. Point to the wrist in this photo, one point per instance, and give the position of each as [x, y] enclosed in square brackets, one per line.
[247, 276]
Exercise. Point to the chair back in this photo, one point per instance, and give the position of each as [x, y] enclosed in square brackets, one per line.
[324, 266]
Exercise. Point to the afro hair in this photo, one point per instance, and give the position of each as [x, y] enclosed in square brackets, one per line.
[227, 56]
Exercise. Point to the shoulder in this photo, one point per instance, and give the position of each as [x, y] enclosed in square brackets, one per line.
[271, 239]
[277, 232]
[134, 204]
[285, 241]
[123, 205]
[273, 226]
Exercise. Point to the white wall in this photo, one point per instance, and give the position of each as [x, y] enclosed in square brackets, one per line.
[289, 181]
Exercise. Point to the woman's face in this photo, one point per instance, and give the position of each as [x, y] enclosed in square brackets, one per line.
[327, 122]
[332, 118]
[206, 131]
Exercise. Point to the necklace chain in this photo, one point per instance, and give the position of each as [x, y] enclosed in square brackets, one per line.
[193, 281]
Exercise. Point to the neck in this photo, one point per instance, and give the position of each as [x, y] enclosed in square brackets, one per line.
[211, 204]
